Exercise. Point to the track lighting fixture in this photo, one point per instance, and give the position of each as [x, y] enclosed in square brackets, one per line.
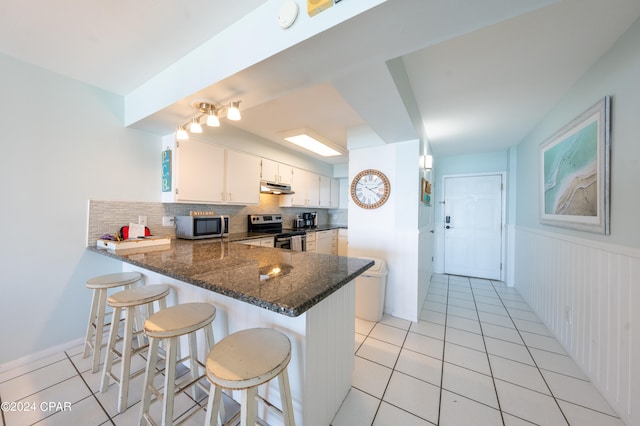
[211, 112]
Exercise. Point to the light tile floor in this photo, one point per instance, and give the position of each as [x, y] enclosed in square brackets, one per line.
[478, 356]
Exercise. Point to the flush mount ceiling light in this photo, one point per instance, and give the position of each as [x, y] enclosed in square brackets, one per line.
[211, 112]
[310, 140]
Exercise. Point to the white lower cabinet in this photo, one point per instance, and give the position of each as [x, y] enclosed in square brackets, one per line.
[262, 242]
[327, 242]
[311, 241]
[342, 242]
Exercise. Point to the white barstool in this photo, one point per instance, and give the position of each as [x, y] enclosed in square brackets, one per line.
[128, 301]
[96, 323]
[245, 360]
[168, 325]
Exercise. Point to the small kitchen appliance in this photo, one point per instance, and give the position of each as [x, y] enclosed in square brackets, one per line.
[310, 219]
[200, 227]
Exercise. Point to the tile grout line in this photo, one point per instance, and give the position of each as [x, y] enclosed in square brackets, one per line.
[444, 346]
[89, 387]
[393, 369]
[486, 350]
[530, 354]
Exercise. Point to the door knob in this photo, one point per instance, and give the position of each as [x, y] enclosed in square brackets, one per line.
[448, 227]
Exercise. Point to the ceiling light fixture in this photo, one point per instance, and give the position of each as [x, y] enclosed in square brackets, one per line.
[310, 140]
[233, 113]
[195, 126]
[211, 112]
[181, 134]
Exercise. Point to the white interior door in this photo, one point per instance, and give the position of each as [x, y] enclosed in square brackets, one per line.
[473, 226]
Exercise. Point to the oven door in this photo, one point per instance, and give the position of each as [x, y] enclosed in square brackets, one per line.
[286, 243]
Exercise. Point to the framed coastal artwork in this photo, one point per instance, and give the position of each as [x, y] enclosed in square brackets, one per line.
[574, 171]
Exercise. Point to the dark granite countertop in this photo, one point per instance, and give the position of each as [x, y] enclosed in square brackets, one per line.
[250, 273]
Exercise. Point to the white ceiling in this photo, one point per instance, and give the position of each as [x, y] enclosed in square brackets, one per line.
[474, 77]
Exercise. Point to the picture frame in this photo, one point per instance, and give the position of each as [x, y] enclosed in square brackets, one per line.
[425, 192]
[575, 172]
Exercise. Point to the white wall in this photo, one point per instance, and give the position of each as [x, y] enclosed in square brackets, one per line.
[391, 231]
[63, 143]
[585, 286]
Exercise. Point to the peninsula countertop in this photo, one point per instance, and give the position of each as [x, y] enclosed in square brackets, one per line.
[284, 281]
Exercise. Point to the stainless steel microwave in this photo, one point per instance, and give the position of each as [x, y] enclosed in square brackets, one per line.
[199, 227]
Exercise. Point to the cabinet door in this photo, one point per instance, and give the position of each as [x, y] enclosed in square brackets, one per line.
[335, 194]
[299, 186]
[325, 191]
[313, 190]
[285, 173]
[270, 171]
[200, 172]
[243, 178]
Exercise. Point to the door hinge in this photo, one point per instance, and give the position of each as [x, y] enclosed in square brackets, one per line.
[176, 191]
[502, 187]
[501, 266]
[177, 144]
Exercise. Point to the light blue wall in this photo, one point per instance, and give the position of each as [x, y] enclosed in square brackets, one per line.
[489, 162]
[63, 143]
[615, 74]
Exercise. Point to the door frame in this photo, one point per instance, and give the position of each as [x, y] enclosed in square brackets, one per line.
[439, 222]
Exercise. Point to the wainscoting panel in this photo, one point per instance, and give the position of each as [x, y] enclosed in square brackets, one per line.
[588, 295]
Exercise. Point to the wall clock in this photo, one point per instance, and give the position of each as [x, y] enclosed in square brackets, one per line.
[370, 189]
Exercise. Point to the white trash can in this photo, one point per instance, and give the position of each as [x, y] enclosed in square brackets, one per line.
[370, 291]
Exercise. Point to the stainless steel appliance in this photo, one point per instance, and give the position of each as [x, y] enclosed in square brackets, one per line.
[275, 188]
[199, 227]
[283, 238]
[310, 219]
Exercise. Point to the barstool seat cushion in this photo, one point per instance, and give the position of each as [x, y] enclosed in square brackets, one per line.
[138, 295]
[179, 320]
[114, 280]
[248, 358]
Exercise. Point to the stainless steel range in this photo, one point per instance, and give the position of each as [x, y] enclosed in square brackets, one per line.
[283, 238]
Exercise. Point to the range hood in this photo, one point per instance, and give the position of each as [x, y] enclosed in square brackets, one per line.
[275, 188]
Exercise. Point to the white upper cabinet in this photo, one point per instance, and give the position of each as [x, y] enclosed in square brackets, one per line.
[335, 194]
[299, 185]
[313, 190]
[242, 178]
[325, 192]
[205, 173]
[197, 173]
[275, 172]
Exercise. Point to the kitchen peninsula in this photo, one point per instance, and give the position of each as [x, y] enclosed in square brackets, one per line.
[307, 296]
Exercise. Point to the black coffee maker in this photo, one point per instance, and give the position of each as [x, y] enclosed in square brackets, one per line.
[310, 219]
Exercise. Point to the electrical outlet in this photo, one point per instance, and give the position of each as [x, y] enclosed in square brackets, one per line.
[168, 221]
[142, 220]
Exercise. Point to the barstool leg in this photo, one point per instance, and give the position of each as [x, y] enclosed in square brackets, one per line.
[90, 330]
[97, 346]
[149, 375]
[285, 398]
[249, 411]
[111, 346]
[126, 359]
[213, 406]
[169, 380]
[193, 363]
